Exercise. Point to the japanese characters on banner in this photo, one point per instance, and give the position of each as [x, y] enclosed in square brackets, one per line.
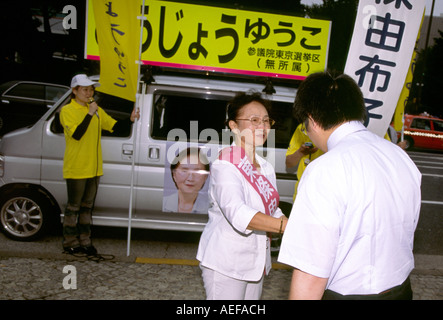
[404, 95]
[217, 39]
[269, 195]
[382, 44]
[118, 31]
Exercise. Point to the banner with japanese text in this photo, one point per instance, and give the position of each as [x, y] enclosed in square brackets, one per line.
[404, 95]
[380, 54]
[206, 38]
[118, 36]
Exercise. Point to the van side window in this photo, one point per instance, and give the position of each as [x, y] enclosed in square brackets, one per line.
[118, 109]
[177, 112]
[53, 93]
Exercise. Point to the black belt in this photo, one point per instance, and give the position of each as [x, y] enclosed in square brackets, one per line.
[401, 292]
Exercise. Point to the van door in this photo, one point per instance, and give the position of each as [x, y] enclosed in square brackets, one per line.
[192, 118]
[53, 148]
[183, 117]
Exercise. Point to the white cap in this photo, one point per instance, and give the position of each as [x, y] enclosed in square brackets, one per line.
[83, 80]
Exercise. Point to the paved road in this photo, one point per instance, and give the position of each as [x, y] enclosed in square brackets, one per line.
[429, 232]
[161, 266]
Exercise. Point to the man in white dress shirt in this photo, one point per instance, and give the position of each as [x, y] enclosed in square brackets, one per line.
[351, 230]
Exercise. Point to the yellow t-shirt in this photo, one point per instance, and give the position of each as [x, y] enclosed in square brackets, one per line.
[297, 140]
[83, 158]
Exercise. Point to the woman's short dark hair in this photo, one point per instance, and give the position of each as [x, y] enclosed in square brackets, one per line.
[243, 98]
[191, 151]
[329, 101]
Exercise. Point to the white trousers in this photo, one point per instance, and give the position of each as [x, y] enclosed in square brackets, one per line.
[221, 287]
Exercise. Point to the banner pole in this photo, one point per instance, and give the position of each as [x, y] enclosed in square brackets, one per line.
[137, 105]
[402, 136]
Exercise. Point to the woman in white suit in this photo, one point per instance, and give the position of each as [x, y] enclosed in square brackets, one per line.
[234, 249]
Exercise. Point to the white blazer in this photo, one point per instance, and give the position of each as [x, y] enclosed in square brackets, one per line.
[226, 245]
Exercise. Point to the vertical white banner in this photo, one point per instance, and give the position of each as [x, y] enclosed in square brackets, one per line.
[380, 53]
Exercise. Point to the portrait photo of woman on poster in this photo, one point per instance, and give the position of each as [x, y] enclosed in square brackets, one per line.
[185, 183]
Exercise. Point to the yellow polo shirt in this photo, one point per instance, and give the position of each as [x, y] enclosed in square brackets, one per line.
[297, 140]
[83, 158]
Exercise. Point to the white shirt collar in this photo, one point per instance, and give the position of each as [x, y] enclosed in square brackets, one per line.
[344, 130]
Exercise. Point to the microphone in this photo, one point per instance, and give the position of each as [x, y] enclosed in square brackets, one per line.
[91, 100]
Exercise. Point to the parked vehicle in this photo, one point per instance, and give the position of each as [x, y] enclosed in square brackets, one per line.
[176, 112]
[423, 131]
[24, 102]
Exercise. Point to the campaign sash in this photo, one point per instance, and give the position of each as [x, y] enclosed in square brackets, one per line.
[238, 157]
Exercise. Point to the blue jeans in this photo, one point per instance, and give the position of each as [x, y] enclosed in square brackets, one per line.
[78, 213]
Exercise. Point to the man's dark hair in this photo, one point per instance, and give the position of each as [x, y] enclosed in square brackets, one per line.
[329, 101]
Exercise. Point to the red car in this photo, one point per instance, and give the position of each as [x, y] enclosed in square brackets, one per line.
[422, 131]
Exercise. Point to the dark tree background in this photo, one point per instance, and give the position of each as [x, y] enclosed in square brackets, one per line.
[27, 54]
[432, 93]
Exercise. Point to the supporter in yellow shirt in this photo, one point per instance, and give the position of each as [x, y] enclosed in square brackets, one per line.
[300, 152]
[83, 120]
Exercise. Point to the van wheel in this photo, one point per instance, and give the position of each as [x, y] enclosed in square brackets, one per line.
[24, 214]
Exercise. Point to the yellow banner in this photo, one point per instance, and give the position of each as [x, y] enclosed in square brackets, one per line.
[208, 38]
[118, 34]
[404, 95]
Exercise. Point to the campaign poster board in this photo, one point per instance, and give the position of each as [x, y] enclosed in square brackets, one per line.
[380, 54]
[215, 39]
[186, 179]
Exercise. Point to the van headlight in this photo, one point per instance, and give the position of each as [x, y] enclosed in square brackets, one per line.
[2, 165]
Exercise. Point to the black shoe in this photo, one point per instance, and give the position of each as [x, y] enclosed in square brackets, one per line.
[90, 250]
[71, 250]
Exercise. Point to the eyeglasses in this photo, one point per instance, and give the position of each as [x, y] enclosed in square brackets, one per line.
[256, 121]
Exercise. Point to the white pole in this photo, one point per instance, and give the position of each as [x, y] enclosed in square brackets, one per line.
[137, 104]
[402, 136]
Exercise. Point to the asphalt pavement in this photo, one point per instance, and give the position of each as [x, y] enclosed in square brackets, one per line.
[161, 266]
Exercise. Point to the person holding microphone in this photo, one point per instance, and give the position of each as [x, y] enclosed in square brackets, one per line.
[83, 120]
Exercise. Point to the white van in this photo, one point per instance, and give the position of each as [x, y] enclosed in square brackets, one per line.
[32, 190]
